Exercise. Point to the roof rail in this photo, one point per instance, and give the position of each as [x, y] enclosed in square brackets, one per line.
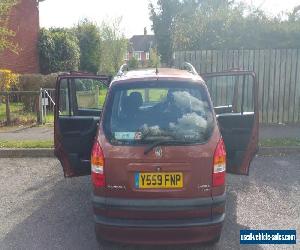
[190, 68]
[122, 69]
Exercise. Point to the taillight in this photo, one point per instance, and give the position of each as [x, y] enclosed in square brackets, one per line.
[219, 167]
[97, 164]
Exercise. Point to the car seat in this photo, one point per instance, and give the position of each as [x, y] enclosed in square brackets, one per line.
[131, 105]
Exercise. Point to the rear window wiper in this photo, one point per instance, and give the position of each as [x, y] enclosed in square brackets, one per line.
[165, 142]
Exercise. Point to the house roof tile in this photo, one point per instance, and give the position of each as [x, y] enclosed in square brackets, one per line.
[141, 43]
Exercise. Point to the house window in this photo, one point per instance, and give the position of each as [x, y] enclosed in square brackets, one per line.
[147, 55]
[137, 55]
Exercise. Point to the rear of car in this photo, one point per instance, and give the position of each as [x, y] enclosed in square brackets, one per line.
[158, 163]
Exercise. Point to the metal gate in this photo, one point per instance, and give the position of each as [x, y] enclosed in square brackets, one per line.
[47, 104]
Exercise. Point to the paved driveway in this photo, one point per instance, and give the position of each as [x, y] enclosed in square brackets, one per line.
[39, 209]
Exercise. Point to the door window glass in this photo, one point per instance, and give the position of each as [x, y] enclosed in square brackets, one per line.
[90, 93]
[64, 103]
[81, 96]
[231, 94]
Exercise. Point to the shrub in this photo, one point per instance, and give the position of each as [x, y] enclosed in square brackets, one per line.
[132, 63]
[58, 50]
[33, 82]
[8, 80]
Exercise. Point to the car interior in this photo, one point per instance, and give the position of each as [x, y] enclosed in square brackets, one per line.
[235, 114]
[77, 126]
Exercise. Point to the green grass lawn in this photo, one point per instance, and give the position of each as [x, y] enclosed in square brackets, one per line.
[27, 144]
[154, 95]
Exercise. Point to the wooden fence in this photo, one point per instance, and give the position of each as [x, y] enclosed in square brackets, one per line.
[277, 71]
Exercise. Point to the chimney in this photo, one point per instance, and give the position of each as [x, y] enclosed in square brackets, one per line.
[145, 31]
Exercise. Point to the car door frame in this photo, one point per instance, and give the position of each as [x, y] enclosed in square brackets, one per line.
[252, 147]
[59, 150]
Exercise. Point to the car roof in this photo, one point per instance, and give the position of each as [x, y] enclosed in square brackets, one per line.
[153, 73]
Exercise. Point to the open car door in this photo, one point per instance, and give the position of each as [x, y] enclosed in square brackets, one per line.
[79, 102]
[235, 98]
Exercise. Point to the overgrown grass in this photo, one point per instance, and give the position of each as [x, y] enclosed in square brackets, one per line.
[280, 142]
[14, 108]
[102, 96]
[17, 114]
[27, 144]
[21, 117]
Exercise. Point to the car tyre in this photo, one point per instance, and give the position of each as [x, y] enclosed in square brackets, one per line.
[106, 244]
[215, 240]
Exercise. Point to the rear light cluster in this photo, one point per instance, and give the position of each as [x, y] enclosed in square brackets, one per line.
[97, 165]
[219, 167]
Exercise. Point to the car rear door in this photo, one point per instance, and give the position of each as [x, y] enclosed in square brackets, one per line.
[79, 102]
[235, 98]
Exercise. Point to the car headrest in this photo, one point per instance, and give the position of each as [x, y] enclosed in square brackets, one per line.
[136, 99]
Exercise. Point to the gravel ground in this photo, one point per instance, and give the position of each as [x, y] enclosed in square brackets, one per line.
[39, 209]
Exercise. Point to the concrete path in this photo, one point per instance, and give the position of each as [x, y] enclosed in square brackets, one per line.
[279, 131]
[32, 133]
[46, 133]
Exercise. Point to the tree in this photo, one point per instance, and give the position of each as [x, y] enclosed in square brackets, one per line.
[88, 35]
[58, 50]
[224, 24]
[5, 33]
[154, 58]
[113, 47]
[163, 17]
[295, 15]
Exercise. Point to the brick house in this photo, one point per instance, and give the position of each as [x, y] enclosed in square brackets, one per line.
[139, 47]
[24, 20]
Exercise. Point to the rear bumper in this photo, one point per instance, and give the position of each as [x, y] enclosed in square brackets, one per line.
[159, 230]
[116, 222]
[157, 204]
[160, 236]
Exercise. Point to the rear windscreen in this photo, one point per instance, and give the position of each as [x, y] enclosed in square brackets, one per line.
[146, 112]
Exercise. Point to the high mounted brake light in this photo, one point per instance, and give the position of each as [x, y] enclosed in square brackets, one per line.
[219, 166]
[97, 166]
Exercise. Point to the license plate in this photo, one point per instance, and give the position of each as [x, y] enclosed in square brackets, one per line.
[159, 180]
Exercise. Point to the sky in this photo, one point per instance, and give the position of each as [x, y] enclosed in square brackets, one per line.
[134, 13]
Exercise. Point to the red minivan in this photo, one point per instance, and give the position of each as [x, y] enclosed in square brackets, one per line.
[154, 143]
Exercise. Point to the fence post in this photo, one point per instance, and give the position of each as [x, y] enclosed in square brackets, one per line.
[45, 107]
[8, 119]
[40, 109]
